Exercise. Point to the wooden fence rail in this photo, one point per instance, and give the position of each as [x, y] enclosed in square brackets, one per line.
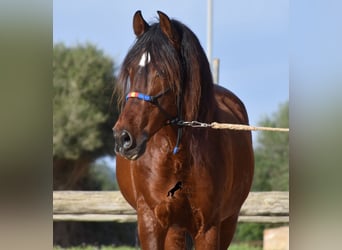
[262, 207]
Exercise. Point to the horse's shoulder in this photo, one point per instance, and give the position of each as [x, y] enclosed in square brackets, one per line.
[228, 102]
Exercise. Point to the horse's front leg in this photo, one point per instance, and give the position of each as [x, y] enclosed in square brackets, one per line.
[176, 239]
[151, 233]
[208, 239]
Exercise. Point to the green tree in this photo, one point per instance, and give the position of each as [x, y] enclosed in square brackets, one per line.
[83, 82]
[272, 154]
[101, 177]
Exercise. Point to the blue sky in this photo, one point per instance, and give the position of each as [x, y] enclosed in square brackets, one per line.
[249, 37]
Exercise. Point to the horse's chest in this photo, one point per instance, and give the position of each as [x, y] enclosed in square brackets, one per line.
[173, 193]
[167, 195]
[175, 208]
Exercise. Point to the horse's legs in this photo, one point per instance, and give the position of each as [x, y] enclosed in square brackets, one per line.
[175, 239]
[208, 239]
[151, 234]
[227, 230]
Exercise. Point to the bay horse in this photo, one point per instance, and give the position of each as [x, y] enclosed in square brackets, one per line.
[182, 181]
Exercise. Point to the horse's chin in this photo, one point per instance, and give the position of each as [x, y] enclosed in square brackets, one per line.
[132, 154]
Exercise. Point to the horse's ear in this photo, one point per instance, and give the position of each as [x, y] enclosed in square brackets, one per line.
[167, 28]
[140, 26]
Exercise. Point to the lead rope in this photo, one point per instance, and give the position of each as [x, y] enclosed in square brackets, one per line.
[231, 126]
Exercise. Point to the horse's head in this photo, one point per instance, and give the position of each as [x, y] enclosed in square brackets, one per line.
[150, 81]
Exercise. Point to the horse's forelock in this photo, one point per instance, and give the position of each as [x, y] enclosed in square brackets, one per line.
[163, 57]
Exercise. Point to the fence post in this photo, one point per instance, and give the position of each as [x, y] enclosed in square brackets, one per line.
[216, 69]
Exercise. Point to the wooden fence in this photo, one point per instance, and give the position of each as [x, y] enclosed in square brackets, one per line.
[262, 207]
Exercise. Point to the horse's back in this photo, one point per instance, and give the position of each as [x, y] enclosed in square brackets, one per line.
[231, 108]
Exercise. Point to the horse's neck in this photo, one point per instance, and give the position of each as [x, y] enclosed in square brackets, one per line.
[163, 143]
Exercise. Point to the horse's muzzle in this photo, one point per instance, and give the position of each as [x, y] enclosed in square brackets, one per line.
[126, 145]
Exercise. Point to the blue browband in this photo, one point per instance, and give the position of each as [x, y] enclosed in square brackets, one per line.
[140, 96]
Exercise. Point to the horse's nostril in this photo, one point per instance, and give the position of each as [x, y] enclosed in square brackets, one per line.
[126, 139]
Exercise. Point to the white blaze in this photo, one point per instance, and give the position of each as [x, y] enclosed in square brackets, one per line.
[145, 59]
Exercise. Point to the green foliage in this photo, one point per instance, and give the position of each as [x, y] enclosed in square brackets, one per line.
[249, 232]
[101, 177]
[83, 81]
[272, 154]
[243, 247]
[232, 247]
